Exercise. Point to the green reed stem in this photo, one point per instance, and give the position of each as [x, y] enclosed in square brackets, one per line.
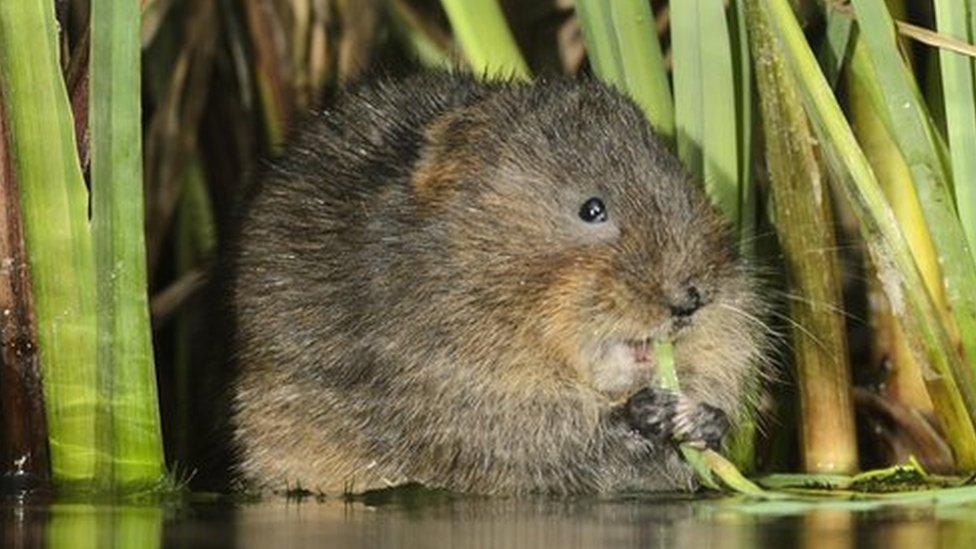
[54, 203]
[480, 28]
[132, 439]
[905, 114]
[624, 51]
[801, 211]
[892, 256]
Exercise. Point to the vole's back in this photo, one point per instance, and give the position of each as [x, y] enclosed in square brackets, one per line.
[296, 272]
[319, 218]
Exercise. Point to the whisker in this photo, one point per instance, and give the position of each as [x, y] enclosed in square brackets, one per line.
[808, 333]
[758, 321]
[815, 303]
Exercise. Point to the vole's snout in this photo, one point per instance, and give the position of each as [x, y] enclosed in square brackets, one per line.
[686, 301]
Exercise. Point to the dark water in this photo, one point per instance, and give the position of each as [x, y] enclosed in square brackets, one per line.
[449, 521]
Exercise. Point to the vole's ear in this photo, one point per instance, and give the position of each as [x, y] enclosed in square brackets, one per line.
[453, 149]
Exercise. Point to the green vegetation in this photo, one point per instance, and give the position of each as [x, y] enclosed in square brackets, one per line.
[613, 27]
[88, 275]
[54, 205]
[800, 208]
[488, 44]
[130, 430]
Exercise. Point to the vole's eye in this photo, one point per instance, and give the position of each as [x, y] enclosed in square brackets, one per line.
[593, 211]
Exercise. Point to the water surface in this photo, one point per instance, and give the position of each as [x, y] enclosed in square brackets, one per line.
[437, 520]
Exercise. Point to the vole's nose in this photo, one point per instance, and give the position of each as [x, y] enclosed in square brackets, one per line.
[686, 302]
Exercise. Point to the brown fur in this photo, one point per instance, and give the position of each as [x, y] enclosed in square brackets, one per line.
[417, 300]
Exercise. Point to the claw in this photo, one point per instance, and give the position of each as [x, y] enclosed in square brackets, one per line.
[669, 416]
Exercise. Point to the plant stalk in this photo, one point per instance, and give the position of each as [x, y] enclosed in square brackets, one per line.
[487, 42]
[801, 212]
[904, 286]
[54, 204]
[131, 437]
[623, 49]
[24, 460]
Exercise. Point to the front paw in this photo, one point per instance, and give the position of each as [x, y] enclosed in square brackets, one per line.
[666, 415]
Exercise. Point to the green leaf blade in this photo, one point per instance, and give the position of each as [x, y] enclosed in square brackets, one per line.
[623, 48]
[480, 27]
[54, 204]
[960, 108]
[131, 436]
[706, 113]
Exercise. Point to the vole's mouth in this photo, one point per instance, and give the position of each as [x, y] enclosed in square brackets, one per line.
[641, 349]
[622, 365]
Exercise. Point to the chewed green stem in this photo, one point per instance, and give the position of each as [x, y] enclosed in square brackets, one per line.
[713, 470]
[664, 354]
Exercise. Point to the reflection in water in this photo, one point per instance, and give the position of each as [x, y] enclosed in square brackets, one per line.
[85, 525]
[28, 525]
[451, 521]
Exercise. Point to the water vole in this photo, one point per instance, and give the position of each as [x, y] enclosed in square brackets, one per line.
[454, 283]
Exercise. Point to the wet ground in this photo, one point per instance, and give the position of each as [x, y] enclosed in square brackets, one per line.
[437, 520]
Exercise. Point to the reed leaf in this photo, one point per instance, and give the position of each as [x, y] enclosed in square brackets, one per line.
[624, 51]
[959, 89]
[835, 49]
[487, 42]
[131, 436]
[425, 42]
[909, 123]
[742, 63]
[54, 203]
[802, 213]
[705, 109]
[904, 286]
[894, 176]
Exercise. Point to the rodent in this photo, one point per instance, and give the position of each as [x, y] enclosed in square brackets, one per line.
[454, 283]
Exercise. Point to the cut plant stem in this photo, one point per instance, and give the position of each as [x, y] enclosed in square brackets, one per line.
[801, 212]
[129, 430]
[480, 28]
[623, 49]
[668, 378]
[890, 252]
[713, 470]
[54, 204]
